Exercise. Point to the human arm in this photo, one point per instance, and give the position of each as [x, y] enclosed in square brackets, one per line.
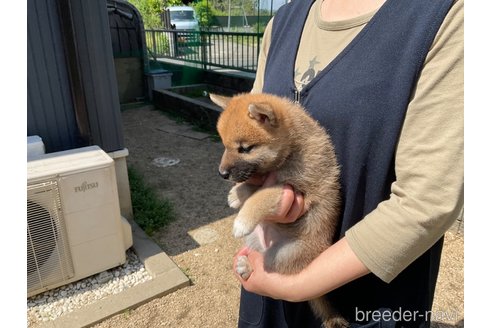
[338, 262]
[427, 196]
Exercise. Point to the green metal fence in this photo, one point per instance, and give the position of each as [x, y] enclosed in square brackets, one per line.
[232, 50]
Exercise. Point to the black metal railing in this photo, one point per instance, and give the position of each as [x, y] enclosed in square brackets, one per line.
[209, 49]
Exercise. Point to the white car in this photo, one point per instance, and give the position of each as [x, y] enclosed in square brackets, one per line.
[183, 18]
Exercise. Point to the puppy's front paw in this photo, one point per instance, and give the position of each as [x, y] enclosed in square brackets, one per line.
[239, 194]
[242, 267]
[241, 228]
[233, 198]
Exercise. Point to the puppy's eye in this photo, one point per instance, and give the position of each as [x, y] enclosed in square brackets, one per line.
[245, 150]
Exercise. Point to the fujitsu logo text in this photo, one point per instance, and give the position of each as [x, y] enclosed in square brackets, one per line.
[86, 186]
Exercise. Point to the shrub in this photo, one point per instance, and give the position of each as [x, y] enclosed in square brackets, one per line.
[149, 211]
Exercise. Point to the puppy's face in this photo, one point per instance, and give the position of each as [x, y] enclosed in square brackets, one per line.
[251, 134]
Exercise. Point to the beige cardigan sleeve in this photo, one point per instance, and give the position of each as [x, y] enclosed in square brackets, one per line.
[427, 196]
[260, 70]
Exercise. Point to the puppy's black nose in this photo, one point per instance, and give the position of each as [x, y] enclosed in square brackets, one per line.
[224, 174]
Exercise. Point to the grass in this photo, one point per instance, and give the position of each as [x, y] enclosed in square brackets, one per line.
[149, 211]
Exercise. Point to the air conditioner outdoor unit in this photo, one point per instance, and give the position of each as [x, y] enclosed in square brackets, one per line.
[74, 226]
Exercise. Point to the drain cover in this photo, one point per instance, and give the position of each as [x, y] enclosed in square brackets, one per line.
[165, 161]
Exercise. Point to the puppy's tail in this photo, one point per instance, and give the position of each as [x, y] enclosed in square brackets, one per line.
[324, 310]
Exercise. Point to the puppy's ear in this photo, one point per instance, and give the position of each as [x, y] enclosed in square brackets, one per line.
[221, 101]
[263, 113]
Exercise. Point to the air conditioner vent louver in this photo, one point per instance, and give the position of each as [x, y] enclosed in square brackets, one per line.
[48, 255]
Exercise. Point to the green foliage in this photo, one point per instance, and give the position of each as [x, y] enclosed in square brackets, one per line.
[170, 3]
[205, 13]
[150, 11]
[149, 212]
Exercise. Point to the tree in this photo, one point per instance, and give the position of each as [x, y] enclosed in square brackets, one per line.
[205, 13]
[151, 10]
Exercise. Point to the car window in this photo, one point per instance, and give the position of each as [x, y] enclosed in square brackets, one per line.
[181, 15]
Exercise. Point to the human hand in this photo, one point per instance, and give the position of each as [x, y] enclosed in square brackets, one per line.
[261, 282]
[292, 205]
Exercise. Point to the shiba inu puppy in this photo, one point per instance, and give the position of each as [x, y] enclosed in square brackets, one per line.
[264, 133]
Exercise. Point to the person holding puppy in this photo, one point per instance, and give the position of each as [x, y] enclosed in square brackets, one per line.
[385, 79]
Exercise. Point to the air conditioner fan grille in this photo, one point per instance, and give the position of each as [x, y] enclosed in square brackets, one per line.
[48, 255]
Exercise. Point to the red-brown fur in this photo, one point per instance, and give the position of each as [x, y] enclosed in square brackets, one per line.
[285, 139]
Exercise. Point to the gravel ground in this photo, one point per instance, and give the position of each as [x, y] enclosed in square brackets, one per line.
[200, 240]
[62, 300]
